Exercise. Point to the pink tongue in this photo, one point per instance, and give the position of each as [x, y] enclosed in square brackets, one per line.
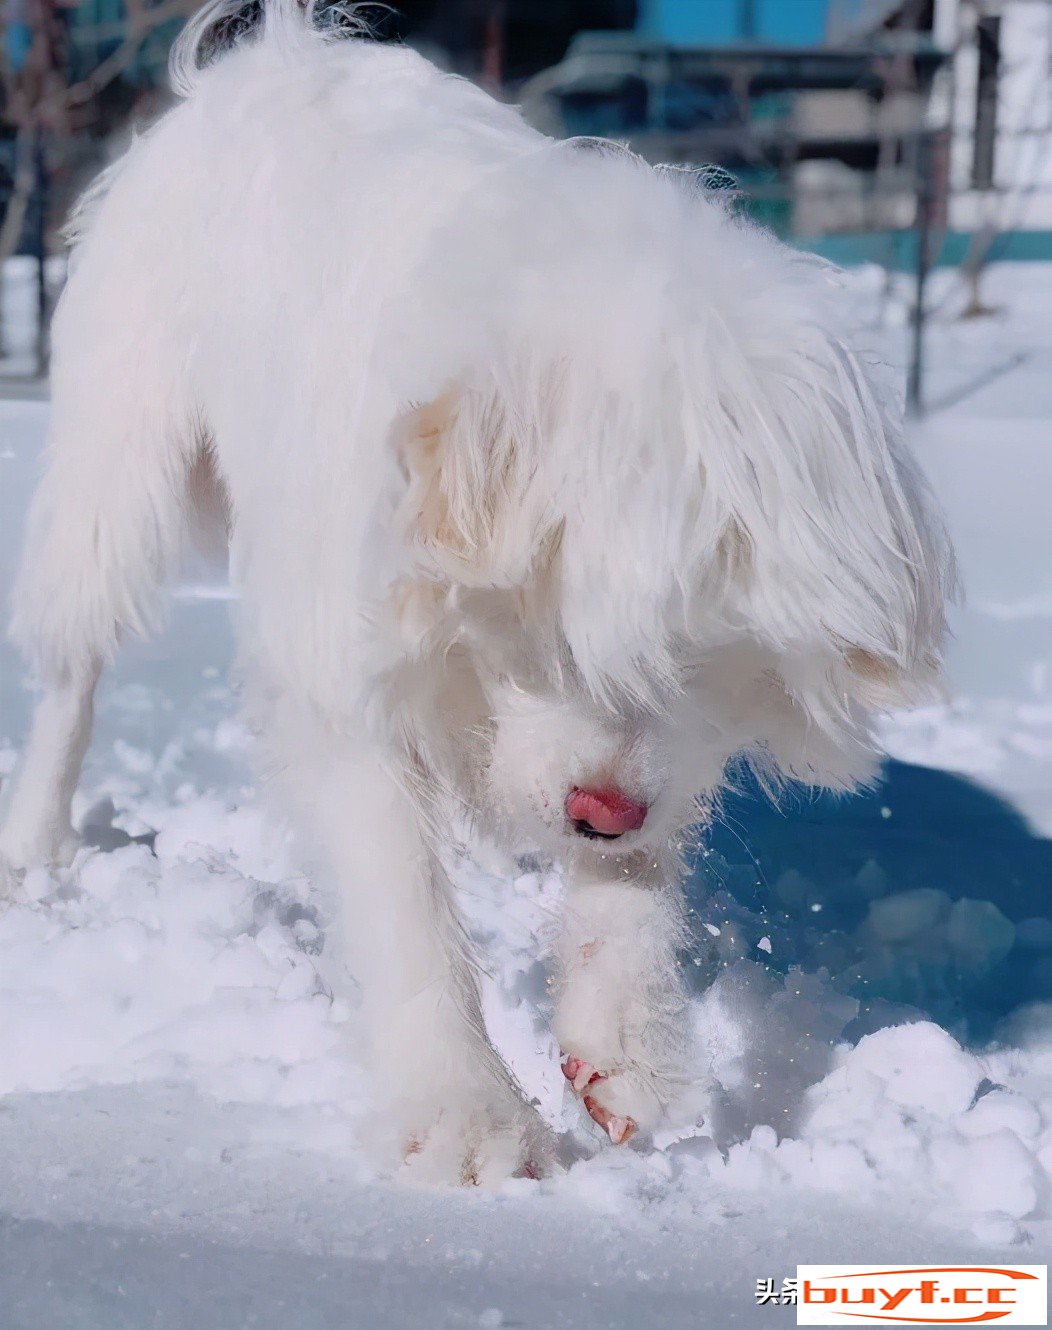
[608, 811]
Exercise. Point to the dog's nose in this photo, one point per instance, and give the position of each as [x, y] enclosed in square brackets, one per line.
[604, 813]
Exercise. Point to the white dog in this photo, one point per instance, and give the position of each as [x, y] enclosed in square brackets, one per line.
[550, 486]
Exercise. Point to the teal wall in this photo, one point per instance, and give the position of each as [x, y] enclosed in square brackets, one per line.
[712, 22]
[898, 249]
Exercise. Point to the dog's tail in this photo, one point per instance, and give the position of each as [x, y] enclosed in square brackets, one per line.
[220, 25]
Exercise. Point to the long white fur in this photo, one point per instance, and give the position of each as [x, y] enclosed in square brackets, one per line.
[542, 469]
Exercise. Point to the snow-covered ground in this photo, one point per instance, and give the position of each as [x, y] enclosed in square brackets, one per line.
[182, 1106]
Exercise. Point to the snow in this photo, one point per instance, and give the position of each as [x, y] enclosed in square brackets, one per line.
[184, 1119]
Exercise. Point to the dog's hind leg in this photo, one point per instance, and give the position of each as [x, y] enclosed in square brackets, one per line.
[104, 528]
[37, 827]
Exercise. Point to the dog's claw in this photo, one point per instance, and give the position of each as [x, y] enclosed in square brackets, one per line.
[571, 1067]
[581, 1074]
[619, 1129]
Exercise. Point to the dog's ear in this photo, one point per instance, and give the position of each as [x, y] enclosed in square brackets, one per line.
[842, 552]
[469, 509]
[881, 682]
[423, 447]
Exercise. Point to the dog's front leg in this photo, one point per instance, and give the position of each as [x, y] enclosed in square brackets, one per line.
[457, 1111]
[621, 1008]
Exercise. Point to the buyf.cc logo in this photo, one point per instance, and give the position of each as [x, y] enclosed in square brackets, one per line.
[922, 1295]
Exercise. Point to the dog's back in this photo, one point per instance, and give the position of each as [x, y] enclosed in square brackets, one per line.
[235, 262]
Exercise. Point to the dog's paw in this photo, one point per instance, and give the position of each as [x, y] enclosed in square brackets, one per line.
[626, 1060]
[620, 1099]
[16, 860]
[478, 1144]
[50, 848]
[621, 1013]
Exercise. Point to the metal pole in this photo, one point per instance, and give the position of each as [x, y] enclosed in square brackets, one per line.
[922, 236]
[40, 248]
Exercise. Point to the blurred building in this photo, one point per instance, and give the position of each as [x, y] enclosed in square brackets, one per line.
[995, 96]
[836, 114]
[854, 126]
[999, 100]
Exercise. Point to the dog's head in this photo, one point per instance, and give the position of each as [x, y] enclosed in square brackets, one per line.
[672, 501]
